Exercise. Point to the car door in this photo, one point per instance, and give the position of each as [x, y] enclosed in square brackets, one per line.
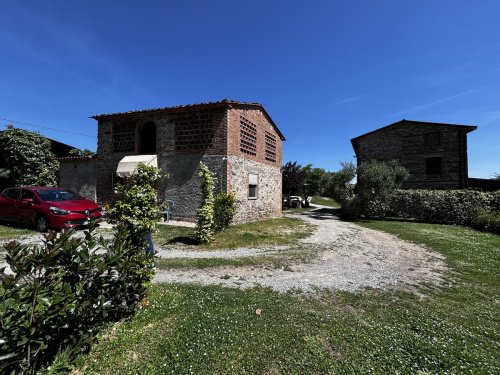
[8, 203]
[25, 209]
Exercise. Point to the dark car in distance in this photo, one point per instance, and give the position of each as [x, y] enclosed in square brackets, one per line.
[47, 207]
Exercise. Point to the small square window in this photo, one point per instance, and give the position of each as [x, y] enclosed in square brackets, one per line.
[433, 166]
[253, 181]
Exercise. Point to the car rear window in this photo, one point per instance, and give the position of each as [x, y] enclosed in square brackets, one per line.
[58, 195]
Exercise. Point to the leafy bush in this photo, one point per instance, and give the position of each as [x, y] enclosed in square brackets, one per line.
[136, 210]
[225, 205]
[26, 159]
[486, 220]
[62, 291]
[205, 213]
[443, 206]
[339, 186]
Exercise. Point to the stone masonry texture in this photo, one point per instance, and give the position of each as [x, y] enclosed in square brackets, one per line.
[405, 142]
[187, 135]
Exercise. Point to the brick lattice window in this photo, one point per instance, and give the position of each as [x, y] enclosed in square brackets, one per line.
[432, 139]
[270, 147]
[194, 131]
[124, 137]
[433, 166]
[248, 137]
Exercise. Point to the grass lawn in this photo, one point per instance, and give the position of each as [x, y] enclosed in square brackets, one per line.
[324, 201]
[12, 232]
[194, 329]
[281, 231]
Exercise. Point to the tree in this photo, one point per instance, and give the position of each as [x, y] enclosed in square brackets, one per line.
[339, 186]
[377, 180]
[26, 159]
[293, 179]
[80, 152]
[314, 181]
[496, 176]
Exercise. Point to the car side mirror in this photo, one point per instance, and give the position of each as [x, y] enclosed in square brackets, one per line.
[28, 201]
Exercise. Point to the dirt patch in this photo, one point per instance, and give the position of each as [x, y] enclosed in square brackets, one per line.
[350, 258]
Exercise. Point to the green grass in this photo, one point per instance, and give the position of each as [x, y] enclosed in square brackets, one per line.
[12, 232]
[451, 330]
[324, 201]
[284, 259]
[281, 231]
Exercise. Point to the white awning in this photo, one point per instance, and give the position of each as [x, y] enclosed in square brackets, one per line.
[128, 164]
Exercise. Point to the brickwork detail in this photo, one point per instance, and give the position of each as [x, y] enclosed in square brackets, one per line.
[248, 137]
[124, 137]
[270, 147]
[194, 130]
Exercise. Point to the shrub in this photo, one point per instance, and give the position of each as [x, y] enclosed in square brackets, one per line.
[225, 205]
[442, 206]
[205, 213]
[26, 159]
[62, 291]
[486, 220]
[136, 210]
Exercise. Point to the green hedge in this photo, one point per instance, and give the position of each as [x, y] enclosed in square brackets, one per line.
[460, 207]
[62, 291]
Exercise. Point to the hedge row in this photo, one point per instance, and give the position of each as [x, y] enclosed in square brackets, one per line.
[62, 291]
[462, 207]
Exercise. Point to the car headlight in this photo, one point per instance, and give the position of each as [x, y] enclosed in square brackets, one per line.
[58, 211]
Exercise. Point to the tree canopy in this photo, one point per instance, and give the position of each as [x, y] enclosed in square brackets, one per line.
[26, 159]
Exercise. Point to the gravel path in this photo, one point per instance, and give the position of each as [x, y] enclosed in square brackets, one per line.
[351, 258]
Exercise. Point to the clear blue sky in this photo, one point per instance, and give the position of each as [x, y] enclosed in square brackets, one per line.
[326, 71]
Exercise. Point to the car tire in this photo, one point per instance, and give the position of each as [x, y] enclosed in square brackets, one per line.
[42, 224]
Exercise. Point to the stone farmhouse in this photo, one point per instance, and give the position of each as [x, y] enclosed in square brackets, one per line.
[434, 154]
[238, 141]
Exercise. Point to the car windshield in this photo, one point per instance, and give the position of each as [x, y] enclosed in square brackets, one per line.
[58, 195]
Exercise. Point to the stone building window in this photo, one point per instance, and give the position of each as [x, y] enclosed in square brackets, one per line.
[124, 137]
[270, 147]
[147, 139]
[253, 182]
[432, 139]
[194, 130]
[433, 166]
[248, 137]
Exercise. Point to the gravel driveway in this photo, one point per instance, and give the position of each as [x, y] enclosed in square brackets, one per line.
[350, 258]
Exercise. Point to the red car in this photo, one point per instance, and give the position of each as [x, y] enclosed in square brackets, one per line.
[47, 207]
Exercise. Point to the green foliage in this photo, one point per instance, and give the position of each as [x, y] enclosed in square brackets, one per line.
[137, 209]
[26, 159]
[315, 180]
[205, 221]
[339, 186]
[377, 180]
[225, 205]
[62, 291]
[79, 152]
[462, 207]
[293, 178]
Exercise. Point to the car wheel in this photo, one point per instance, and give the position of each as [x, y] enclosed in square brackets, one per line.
[41, 224]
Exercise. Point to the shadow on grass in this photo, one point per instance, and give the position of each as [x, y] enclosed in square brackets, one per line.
[185, 240]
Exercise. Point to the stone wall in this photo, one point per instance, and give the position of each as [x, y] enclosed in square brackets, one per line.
[268, 202]
[406, 143]
[79, 174]
[183, 184]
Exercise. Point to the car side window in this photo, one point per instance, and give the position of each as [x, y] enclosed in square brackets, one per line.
[27, 194]
[12, 193]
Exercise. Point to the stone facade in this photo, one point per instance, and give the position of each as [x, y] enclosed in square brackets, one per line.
[434, 154]
[233, 139]
[79, 174]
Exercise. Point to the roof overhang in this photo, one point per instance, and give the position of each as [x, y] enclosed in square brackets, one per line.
[128, 165]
